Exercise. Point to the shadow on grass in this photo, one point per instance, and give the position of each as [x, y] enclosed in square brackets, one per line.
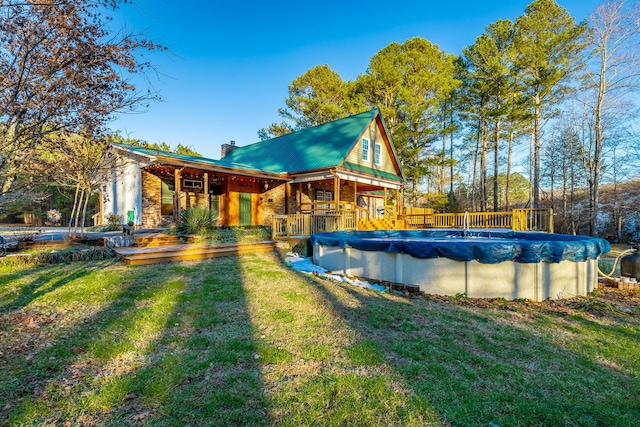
[173, 346]
[477, 369]
[48, 279]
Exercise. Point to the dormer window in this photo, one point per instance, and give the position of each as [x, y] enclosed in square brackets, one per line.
[365, 150]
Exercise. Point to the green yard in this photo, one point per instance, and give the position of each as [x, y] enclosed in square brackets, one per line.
[246, 341]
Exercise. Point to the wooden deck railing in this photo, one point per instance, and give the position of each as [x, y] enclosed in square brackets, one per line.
[328, 207]
[532, 220]
[306, 224]
[517, 220]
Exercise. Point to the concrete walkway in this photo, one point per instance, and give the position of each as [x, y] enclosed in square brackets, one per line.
[59, 233]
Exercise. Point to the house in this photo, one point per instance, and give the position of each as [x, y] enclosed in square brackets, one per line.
[346, 164]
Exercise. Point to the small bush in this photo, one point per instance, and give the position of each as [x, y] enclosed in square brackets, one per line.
[62, 257]
[114, 222]
[197, 220]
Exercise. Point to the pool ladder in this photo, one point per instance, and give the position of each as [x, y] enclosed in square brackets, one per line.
[465, 224]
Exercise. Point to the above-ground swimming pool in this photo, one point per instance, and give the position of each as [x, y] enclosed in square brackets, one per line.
[477, 263]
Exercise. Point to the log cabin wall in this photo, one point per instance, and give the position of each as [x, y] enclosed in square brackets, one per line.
[230, 209]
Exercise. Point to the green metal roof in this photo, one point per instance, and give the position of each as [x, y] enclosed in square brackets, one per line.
[186, 157]
[319, 147]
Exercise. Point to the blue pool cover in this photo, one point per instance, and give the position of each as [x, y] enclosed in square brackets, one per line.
[485, 246]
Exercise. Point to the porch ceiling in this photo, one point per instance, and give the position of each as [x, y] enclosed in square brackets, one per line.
[190, 171]
[329, 182]
[365, 182]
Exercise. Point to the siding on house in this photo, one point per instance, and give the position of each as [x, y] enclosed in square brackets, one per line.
[373, 133]
[122, 191]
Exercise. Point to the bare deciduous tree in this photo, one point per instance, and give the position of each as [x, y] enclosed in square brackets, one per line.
[612, 75]
[62, 72]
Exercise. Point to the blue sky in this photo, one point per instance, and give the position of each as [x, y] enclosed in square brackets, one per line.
[230, 62]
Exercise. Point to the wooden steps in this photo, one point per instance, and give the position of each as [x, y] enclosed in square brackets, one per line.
[155, 239]
[188, 252]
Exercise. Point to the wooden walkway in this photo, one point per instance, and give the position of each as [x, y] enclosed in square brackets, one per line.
[160, 249]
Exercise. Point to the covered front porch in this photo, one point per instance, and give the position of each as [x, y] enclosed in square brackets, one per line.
[336, 200]
[234, 198]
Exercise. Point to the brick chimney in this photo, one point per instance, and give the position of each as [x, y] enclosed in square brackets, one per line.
[227, 148]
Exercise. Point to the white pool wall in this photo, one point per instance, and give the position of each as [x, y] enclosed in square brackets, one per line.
[443, 276]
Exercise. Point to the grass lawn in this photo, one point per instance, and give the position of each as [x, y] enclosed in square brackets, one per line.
[246, 341]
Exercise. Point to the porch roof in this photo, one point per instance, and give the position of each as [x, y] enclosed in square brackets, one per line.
[166, 157]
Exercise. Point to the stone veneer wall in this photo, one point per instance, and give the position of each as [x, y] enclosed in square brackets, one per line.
[273, 202]
[151, 199]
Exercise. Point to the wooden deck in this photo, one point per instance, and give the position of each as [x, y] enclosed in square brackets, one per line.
[155, 250]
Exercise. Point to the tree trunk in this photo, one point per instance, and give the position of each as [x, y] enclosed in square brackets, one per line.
[77, 217]
[508, 177]
[451, 173]
[84, 210]
[564, 195]
[75, 204]
[597, 154]
[572, 194]
[476, 154]
[483, 169]
[536, 152]
[496, 164]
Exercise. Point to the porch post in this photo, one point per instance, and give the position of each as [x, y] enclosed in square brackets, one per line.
[384, 203]
[398, 205]
[207, 196]
[287, 194]
[299, 207]
[336, 192]
[355, 193]
[176, 194]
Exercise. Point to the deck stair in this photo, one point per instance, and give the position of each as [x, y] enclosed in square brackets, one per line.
[156, 239]
[381, 224]
[189, 252]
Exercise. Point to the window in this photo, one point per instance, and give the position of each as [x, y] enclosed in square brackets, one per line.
[365, 150]
[324, 196]
[192, 184]
[377, 153]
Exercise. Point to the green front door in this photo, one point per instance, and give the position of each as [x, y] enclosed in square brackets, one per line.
[245, 209]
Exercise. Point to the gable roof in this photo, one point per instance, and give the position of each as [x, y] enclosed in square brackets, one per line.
[319, 147]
